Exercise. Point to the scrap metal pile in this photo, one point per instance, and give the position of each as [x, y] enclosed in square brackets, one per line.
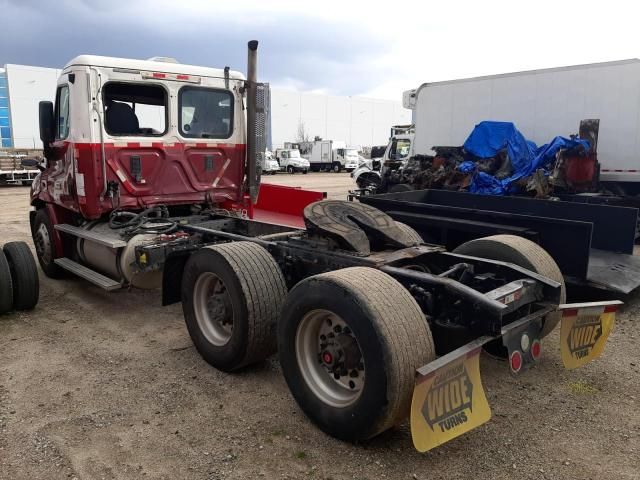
[496, 159]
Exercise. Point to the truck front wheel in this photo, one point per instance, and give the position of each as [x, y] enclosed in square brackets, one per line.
[43, 240]
[231, 298]
[336, 167]
[349, 343]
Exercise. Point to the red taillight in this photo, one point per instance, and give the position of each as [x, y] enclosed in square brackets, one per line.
[516, 361]
[159, 75]
[182, 77]
[536, 349]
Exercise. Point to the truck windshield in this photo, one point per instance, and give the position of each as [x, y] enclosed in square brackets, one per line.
[205, 112]
[295, 154]
[352, 152]
[400, 148]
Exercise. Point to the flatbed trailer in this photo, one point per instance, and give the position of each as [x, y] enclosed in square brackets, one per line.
[356, 304]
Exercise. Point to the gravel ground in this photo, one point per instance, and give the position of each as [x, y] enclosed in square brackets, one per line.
[107, 385]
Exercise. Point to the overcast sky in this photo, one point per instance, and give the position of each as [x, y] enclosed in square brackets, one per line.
[339, 47]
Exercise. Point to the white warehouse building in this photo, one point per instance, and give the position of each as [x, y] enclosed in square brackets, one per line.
[358, 121]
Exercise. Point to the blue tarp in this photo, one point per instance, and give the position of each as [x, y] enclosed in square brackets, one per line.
[489, 138]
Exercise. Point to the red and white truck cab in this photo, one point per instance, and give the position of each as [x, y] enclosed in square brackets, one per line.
[129, 135]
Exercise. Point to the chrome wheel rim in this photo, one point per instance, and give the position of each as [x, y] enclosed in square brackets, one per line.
[213, 309]
[330, 358]
[43, 244]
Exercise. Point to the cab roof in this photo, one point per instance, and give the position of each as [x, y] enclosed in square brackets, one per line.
[150, 65]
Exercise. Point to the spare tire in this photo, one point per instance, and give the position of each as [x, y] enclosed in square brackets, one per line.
[524, 253]
[6, 285]
[24, 275]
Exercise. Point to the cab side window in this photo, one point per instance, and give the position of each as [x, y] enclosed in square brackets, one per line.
[62, 112]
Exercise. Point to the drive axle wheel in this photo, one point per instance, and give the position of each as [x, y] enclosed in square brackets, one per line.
[290, 169]
[410, 232]
[231, 298]
[524, 253]
[349, 343]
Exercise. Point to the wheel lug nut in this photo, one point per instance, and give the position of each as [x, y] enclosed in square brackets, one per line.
[336, 375]
[337, 329]
[354, 374]
[323, 337]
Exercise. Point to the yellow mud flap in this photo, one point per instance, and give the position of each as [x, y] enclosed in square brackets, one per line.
[584, 331]
[448, 399]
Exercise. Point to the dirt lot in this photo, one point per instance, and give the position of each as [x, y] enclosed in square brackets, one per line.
[107, 385]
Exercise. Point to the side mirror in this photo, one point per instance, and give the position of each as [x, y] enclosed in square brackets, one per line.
[47, 130]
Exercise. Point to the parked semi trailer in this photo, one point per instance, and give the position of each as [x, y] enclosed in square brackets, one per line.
[371, 324]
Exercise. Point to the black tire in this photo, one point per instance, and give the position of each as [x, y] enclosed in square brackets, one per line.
[392, 335]
[290, 169]
[254, 290]
[305, 171]
[6, 285]
[410, 232]
[336, 167]
[524, 253]
[45, 246]
[24, 275]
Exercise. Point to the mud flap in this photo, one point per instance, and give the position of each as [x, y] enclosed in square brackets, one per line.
[448, 399]
[584, 330]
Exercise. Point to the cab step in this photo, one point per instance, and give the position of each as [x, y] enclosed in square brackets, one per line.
[92, 276]
[89, 235]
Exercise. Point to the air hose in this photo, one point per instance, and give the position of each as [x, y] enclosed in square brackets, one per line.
[154, 220]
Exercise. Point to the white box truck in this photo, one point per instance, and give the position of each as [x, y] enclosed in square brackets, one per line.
[542, 104]
[330, 155]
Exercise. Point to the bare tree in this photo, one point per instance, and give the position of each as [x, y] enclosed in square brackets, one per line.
[303, 134]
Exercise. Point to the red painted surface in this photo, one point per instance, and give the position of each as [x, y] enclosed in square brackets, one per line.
[171, 174]
[580, 170]
[283, 205]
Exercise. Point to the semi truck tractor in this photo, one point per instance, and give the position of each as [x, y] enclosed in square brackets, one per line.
[152, 179]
